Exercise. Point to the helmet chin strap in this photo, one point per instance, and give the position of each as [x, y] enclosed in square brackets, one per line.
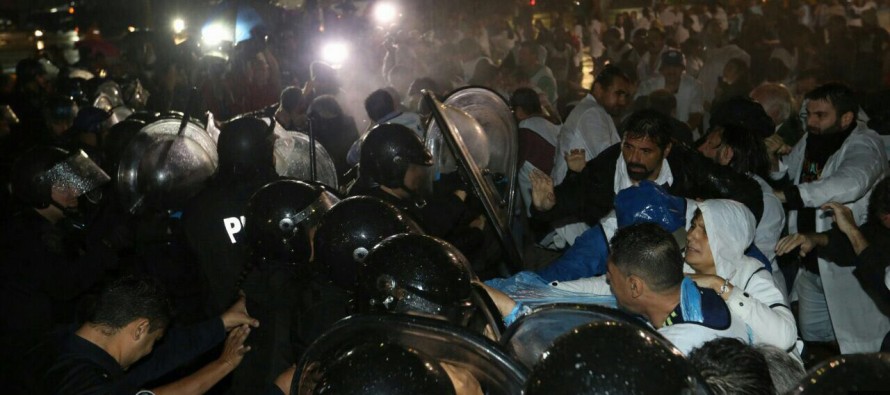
[415, 198]
[71, 216]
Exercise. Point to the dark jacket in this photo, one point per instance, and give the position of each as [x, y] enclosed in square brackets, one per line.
[589, 195]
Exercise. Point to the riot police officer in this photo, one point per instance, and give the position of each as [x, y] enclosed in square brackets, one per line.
[349, 231]
[416, 274]
[278, 221]
[394, 167]
[50, 258]
[213, 220]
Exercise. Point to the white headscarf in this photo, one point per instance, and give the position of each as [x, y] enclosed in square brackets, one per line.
[730, 228]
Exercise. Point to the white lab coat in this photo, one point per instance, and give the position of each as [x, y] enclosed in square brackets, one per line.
[755, 297]
[848, 178]
[768, 231]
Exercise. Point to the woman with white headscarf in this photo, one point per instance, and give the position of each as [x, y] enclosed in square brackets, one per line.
[720, 232]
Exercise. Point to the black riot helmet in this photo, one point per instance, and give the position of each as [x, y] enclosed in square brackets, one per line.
[387, 151]
[377, 368]
[349, 230]
[246, 148]
[845, 374]
[613, 357]
[278, 219]
[418, 274]
[119, 136]
[40, 169]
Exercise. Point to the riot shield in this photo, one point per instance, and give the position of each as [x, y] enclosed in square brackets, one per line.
[108, 97]
[495, 117]
[293, 159]
[460, 142]
[609, 355]
[531, 335]
[163, 167]
[496, 371]
[845, 374]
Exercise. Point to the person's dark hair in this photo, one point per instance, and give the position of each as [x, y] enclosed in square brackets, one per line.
[325, 107]
[130, 298]
[378, 104]
[608, 75]
[785, 371]
[526, 99]
[648, 123]
[732, 367]
[879, 201]
[749, 150]
[290, 98]
[839, 95]
[663, 101]
[650, 252]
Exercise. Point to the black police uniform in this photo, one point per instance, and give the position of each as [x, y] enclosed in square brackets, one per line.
[213, 228]
[46, 270]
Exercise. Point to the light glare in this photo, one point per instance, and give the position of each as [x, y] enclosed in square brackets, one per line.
[335, 54]
[215, 34]
[178, 25]
[385, 13]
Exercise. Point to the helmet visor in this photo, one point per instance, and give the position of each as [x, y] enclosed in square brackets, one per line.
[77, 174]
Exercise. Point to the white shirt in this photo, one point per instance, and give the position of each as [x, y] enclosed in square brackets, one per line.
[588, 127]
[715, 60]
[689, 95]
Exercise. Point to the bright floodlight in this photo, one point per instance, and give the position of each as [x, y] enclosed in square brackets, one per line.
[216, 33]
[335, 53]
[385, 13]
[38, 33]
[178, 25]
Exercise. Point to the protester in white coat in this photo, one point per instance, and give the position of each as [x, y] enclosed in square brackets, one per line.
[832, 303]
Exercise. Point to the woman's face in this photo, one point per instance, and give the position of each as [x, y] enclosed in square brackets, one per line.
[698, 250]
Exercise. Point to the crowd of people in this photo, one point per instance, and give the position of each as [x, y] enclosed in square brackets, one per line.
[719, 186]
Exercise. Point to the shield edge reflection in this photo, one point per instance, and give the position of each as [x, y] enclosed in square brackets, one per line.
[381, 327]
[470, 171]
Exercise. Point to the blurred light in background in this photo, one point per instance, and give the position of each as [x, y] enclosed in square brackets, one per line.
[335, 53]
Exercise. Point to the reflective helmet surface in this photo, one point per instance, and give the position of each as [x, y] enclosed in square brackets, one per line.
[387, 151]
[613, 357]
[164, 165]
[245, 146]
[119, 136]
[845, 374]
[417, 274]
[350, 229]
[378, 368]
[172, 170]
[278, 218]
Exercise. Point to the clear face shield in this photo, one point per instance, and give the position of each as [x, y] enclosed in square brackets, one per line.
[78, 176]
[293, 158]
